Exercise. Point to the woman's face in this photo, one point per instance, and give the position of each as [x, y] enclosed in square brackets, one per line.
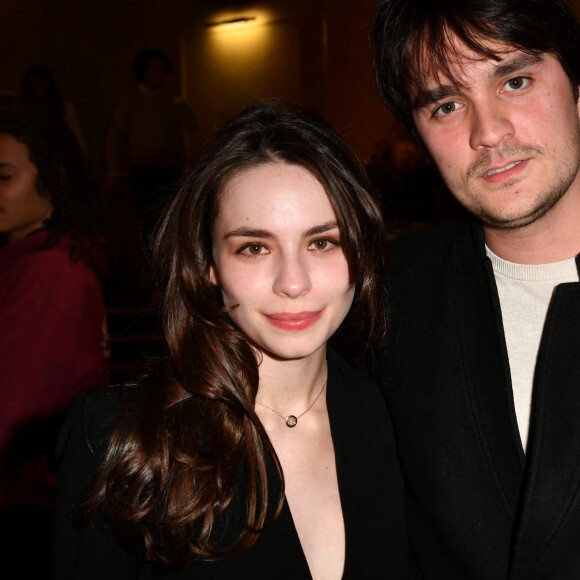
[22, 209]
[277, 255]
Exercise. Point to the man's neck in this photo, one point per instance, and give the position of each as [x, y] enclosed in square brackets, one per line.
[552, 238]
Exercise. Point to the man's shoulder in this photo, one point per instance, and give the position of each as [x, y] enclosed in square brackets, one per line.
[433, 238]
[352, 384]
[419, 260]
[347, 370]
[431, 246]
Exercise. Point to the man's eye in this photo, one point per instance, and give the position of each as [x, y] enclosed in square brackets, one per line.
[516, 84]
[447, 108]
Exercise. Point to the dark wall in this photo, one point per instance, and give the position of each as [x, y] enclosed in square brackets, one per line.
[320, 57]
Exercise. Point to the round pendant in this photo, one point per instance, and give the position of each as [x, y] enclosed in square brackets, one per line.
[291, 421]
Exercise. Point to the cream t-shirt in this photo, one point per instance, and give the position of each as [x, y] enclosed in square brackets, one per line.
[525, 292]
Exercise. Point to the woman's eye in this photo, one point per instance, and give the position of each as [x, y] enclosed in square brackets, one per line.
[253, 249]
[516, 84]
[447, 108]
[322, 244]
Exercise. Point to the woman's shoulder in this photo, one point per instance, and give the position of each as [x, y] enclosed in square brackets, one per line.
[28, 263]
[93, 416]
[108, 399]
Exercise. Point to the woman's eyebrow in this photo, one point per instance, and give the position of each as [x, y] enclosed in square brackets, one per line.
[321, 228]
[248, 232]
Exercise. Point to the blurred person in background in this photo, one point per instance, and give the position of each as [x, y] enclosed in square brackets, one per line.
[145, 139]
[52, 315]
[145, 156]
[38, 90]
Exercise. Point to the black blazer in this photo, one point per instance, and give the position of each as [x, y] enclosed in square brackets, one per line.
[478, 508]
[370, 486]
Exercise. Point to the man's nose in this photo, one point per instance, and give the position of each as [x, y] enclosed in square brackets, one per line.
[490, 125]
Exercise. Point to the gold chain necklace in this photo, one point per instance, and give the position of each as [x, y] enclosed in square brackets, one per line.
[292, 420]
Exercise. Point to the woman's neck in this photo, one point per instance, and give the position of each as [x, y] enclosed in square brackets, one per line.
[289, 386]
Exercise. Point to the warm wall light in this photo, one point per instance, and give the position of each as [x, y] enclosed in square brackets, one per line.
[240, 20]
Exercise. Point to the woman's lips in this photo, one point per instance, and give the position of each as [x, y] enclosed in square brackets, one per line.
[294, 320]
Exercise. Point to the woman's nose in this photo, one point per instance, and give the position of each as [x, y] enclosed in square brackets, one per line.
[292, 277]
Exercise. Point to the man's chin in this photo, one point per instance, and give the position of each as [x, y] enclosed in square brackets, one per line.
[512, 220]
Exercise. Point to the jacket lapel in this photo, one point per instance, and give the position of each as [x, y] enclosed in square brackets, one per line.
[488, 383]
[554, 455]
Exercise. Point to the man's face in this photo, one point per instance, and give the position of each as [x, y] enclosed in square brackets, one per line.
[505, 136]
[156, 75]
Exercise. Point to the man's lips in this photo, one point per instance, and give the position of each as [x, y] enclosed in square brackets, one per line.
[499, 159]
[294, 320]
[504, 171]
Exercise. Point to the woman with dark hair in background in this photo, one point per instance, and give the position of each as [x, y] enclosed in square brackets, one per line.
[51, 314]
[251, 450]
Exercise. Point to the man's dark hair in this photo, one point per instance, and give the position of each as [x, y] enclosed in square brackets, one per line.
[144, 57]
[412, 39]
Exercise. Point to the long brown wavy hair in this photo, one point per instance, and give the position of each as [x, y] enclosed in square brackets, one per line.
[176, 456]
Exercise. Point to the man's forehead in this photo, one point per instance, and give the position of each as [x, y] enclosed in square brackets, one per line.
[457, 64]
